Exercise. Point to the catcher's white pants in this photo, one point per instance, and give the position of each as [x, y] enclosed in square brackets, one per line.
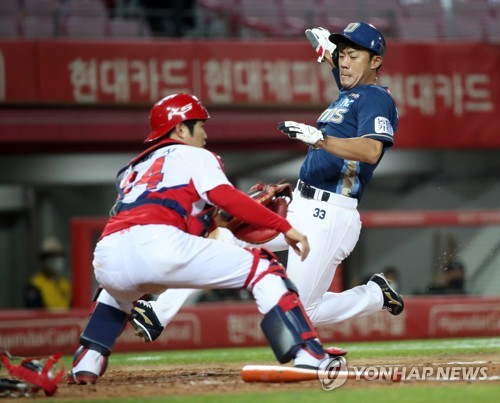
[151, 258]
[332, 229]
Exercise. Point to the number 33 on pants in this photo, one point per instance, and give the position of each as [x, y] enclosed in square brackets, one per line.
[319, 213]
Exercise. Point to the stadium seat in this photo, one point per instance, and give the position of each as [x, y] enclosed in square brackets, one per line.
[466, 29]
[414, 28]
[38, 26]
[218, 17]
[41, 7]
[9, 7]
[423, 9]
[493, 29]
[347, 11]
[85, 8]
[298, 15]
[127, 28]
[494, 9]
[384, 15]
[85, 27]
[382, 6]
[468, 20]
[84, 19]
[262, 17]
[336, 14]
[9, 27]
[217, 5]
[478, 9]
[330, 16]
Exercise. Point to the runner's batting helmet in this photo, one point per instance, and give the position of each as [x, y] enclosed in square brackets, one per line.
[361, 34]
[172, 110]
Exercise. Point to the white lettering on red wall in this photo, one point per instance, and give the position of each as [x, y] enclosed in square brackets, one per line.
[454, 319]
[226, 81]
[94, 79]
[427, 93]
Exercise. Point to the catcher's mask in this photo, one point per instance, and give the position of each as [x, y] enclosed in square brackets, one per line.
[38, 373]
[361, 34]
[172, 110]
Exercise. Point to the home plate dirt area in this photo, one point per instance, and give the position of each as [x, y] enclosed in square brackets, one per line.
[134, 381]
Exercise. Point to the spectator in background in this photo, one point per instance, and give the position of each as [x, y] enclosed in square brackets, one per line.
[452, 280]
[49, 288]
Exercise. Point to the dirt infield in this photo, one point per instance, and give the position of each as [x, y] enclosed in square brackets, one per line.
[205, 379]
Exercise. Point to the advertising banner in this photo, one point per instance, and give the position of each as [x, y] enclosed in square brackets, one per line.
[444, 97]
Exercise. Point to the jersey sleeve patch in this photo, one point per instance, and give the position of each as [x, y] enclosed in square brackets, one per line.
[383, 125]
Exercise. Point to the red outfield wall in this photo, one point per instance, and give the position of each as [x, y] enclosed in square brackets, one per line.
[238, 324]
[444, 96]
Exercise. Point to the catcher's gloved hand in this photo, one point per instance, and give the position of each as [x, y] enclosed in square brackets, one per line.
[320, 42]
[308, 134]
[276, 197]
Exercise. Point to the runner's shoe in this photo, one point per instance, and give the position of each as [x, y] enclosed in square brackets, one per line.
[393, 302]
[145, 322]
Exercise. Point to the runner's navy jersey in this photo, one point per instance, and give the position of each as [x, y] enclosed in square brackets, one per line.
[363, 111]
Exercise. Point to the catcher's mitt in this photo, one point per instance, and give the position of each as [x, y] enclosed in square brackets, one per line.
[276, 197]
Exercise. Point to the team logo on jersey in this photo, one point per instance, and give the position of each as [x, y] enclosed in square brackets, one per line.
[334, 115]
[382, 125]
[179, 111]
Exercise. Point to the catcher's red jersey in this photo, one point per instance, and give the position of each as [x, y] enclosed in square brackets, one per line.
[177, 176]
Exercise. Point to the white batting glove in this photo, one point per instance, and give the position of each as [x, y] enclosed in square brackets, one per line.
[299, 131]
[320, 42]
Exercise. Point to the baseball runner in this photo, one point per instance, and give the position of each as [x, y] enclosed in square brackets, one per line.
[155, 239]
[345, 148]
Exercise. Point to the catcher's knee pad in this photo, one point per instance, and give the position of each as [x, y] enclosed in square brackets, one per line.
[288, 329]
[105, 325]
[275, 267]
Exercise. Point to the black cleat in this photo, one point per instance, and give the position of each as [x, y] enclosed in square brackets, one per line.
[145, 322]
[393, 302]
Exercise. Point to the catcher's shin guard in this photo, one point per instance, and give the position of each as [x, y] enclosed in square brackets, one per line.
[105, 325]
[288, 329]
[91, 358]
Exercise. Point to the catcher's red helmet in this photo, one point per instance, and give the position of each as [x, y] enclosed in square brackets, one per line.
[174, 109]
